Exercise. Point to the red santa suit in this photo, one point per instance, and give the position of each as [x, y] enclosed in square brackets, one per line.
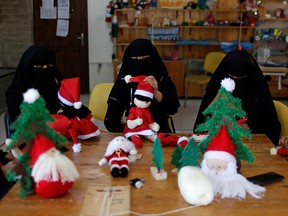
[144, 129]
[117, 155]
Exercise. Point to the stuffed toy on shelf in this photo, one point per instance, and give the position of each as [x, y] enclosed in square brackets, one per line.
[140, 121]
[74, 120]
[117, 155]
[41, 167]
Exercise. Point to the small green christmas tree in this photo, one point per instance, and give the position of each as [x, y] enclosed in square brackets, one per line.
[176, 156]
[158, 154]
[191, 155]
[225, 110]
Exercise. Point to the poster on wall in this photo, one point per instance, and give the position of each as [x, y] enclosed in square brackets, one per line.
[48, 11]
[169, 33]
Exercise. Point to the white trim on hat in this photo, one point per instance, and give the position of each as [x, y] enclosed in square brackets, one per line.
[220, 155]
[63, 100]
[144, 93]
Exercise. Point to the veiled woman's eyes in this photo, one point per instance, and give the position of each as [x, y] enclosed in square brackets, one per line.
[44, 66]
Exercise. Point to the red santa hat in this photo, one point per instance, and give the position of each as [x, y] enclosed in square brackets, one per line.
[222, 147]
[40, 145]
[69, 92]
[143, 88]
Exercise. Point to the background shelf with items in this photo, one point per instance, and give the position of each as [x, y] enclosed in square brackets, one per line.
[180, 34]
[271, 44]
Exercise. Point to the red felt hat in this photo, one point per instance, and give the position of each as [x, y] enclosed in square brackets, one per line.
[69, 92]
[40, 145]
[221, 147]
[143, 88]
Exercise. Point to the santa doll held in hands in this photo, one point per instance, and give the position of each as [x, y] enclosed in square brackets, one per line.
[140, 121]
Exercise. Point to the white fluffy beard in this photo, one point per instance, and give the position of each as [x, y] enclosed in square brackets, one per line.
[229, 184]
[54, 166]
[121, 143]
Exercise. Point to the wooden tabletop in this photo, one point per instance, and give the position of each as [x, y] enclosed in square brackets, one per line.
[155, 197]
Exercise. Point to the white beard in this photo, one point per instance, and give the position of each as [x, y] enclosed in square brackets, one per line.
[117, 143]
[229, 184]
[54, 166]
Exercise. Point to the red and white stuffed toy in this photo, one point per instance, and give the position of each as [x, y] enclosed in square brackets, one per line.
[74, 120]
[117, 155]
[53, 173]
[219, 163]
[140, 121]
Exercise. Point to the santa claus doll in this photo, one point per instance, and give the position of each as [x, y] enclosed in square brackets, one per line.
[117, 155]
[219, 163]
[41, 166]
[140, 121]
[74, 120]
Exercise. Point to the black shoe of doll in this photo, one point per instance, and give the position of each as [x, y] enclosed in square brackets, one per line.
[124, 172]
[115, 172]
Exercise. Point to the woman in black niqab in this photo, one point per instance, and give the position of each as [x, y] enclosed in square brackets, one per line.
[251, 87]
[141, 58]
[36, 69]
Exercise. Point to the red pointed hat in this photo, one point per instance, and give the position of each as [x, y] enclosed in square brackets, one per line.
[69, 92]
[221, 147]
[143, 88]
[40, 145]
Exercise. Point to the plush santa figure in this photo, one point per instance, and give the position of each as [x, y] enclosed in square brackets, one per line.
[140, 121]
[117, 155]
[82, 124]
[40, 166]
[52, 172]
[219, 163]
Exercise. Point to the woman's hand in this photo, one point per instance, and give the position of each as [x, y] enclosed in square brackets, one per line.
[283, 141]
[154, 84]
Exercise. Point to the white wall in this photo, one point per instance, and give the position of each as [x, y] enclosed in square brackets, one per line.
[100, 43]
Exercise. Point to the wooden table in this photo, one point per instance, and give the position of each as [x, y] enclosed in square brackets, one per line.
[156, 196]
[274, 71]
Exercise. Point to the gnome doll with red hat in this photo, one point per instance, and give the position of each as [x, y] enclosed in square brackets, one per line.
[140, 122]
[82, 124]
[223, 148]
[220, 165]
[41, 166]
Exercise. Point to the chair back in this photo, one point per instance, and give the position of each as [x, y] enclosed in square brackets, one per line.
[212, 60]
[282, 113]
[98, 100]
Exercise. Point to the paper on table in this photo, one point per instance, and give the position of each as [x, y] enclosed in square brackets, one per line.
[106, 200]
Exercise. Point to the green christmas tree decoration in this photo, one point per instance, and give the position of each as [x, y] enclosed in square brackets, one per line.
[226, 110]
[191, 155]
[176, 156]
[158, 154]
[32, 120]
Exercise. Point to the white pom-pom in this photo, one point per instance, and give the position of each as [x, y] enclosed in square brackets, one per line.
[273, 151]
[31, 95]
[77, 147]
[228, 84]
[127, 78]
[195, 187]
[78, 105]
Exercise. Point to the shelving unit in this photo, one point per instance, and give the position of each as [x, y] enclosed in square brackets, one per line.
[266, 33]
[193, 41]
